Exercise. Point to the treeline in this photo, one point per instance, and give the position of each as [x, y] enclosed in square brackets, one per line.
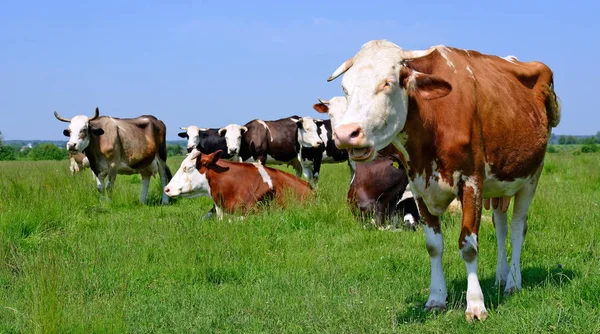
[39, 150]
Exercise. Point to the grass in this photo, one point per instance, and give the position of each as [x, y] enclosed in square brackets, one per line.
[69, 263]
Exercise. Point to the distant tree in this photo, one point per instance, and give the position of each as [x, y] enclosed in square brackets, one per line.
[23, 152]
[1, 139]
[567, 140]
[597, 137]
[589, 146]
[7, 153]
[47, 151]
[174, 149]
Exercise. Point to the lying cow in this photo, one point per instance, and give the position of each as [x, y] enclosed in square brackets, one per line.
[120, 146]
[233, 186]
[78, 162]
[205, 140]
[379, 189]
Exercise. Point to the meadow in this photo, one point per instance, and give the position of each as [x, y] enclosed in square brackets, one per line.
[71, 264]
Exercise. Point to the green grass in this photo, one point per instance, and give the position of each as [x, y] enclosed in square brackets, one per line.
[71, 264]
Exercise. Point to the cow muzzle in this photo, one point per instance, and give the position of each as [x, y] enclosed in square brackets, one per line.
[349, 136]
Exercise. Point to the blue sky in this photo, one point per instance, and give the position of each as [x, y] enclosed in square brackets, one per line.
[221, 62]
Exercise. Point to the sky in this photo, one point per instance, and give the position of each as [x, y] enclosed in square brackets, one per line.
[212, 63]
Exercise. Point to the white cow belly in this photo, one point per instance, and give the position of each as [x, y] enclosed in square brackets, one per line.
[438, 194]
[495, 188]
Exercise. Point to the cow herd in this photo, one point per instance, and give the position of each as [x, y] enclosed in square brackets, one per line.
[455, 124]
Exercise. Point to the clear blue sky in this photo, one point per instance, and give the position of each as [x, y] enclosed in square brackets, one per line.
[220, 62]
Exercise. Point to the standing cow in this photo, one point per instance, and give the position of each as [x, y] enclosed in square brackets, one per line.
[205, 140]
[120, 146]
[470, 125]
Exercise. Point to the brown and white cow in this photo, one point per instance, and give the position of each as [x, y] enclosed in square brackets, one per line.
[470, 125]
[233, 186]
[120, 146]
[78, 162]
[271, 142]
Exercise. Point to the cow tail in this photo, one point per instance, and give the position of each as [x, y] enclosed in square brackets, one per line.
[553, 106]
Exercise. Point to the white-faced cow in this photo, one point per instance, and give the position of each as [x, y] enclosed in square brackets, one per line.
[120, 146]
[205, 140]
[470, 126]
[234, 186]
[271, 142]
[78, 162]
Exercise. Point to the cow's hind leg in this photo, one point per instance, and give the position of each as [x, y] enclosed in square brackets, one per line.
[471, 199]
[500, 221]
[518, 229]
[145, 186]
[435, 247]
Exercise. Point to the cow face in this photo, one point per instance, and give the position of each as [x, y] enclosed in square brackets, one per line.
[376, 86]
[188, 181]
[233, 137]
[192, 133]
[79, 131]
[334, 107]
[308, 134]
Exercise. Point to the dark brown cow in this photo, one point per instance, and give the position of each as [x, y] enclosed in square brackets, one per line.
[233, 186]
[120, 146]
[470, 125]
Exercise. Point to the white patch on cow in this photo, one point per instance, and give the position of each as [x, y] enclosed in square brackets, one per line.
[437, 287]
[336, 109]
[444, 53]
[265, 176]
[219, 212]
[471, 183]
[475, 304]
[188, 182]
[501, 226]
[470, 72]
[409, 220]
[492, 187]
[511, 59]
[266, 127]
[308, 135]
[79, 133]
[438, 194]
[193, 133]
[233, 138]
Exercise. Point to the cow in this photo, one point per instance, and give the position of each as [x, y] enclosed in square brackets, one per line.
[233, 186]
[379, 188]
[78, 162]
[470, 126]
[120, 146]
[271, 142]
[205, 140]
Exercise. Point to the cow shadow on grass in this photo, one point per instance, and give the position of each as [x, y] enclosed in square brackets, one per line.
[531, 278]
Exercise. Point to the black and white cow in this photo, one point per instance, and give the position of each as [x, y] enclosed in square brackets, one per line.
[205, 140]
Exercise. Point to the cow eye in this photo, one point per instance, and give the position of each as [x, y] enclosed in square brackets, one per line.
[344, 90]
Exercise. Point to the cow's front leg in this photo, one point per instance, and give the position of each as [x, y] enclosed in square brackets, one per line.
[110, 182]
[100, 184]
[145, 186]
[435, 247]
[470, 194]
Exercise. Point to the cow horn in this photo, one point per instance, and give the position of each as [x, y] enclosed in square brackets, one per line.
[323, 102]
[60, 118]
[342, 69]
[412, 54]
[96, 114]
[183, 128]
[244, 128]
[221, 131]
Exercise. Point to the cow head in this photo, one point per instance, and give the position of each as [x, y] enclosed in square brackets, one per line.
[377, 86]
[334, 107]
[190, 179]
[192, 133]
[233, 137]
[80, 130]
[308, 131]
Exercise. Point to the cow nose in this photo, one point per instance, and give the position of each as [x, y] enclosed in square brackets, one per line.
[190, 149]
[349, 136]
[70, 146]
[167, 190]
[233, 151]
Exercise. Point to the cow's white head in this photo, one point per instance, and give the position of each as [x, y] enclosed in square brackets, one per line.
[377, 86]
[233, 137]
[190, 179]
[80, 130]
[335, 107]
[308, 131]
[192, 133]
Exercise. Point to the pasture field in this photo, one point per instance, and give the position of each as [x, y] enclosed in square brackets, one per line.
[70, 264]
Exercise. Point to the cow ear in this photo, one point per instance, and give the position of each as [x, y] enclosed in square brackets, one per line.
[67, 132]
[222, 132]
[182, 134]
[97, 131]
[321, 108]
[213, 157]
[427, 86]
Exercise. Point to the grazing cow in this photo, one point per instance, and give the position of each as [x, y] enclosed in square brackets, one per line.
[205, 140]
[78, 162]
[270, 142]
[379, 188]
[233, 186]
[120, 146]
[470, 125]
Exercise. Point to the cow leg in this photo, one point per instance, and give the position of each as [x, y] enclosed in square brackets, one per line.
[471, 199]
[110, 182]
[435, 247]
[518, 229]
[100, 184]
[219, 211]
[162, 172]
[307, 169]
[500, 220]
[145, 186]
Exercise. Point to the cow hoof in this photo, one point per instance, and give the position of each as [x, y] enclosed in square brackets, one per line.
[510, 291]
[433, 306]
[500, 283]
[476, 314]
